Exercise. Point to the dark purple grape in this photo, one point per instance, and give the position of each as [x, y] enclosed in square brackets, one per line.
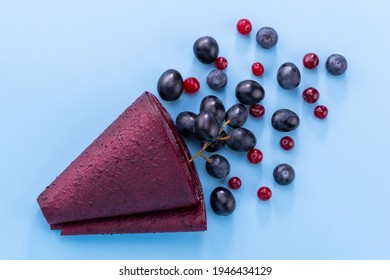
[216, 144]
[170, 85]
[206, 127]
[241, 139]
[288, 76]
[285, 120]
[249, 92]
[237, 114]
[185, 123]
[284, 174]
[218, 166]
[206, 49]
[213, 104]
[222, 201]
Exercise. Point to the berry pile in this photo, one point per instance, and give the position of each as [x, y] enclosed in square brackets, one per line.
[215, 127]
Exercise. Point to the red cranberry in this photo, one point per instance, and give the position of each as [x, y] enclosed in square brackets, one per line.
[244, 26]
[191, 85]
[221, 63]
[287, 143]
[257, 69]
[310, 60]
[255, 156]
[321, 112]
[234, 183]
[264, 193]
[257, 110]
[311, 95]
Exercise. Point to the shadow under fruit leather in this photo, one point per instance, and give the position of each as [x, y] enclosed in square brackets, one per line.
[115, 246]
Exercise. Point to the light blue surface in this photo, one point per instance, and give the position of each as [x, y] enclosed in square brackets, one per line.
[69, 68]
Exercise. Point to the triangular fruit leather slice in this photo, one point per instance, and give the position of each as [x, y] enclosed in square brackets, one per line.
[135, 177]
[178, 220]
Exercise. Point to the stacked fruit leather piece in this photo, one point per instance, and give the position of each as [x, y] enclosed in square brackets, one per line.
[136, 177]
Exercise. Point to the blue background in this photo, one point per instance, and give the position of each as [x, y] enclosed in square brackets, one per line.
[69, 68]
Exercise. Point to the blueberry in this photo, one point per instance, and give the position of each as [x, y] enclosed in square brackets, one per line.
[237, 114]
[284, 174]
[285, 120]
[249, 92]
[213, 104]
[206, 127]
[241, 139]
[288, 76]
[206, 49]
[216, 144]
[185, 123]
[267, 37]
[216, 79]
[170, 85]
[222, 201]
[336, 64]
[218, 166]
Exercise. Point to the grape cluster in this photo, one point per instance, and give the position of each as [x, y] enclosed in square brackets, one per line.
[215, 127]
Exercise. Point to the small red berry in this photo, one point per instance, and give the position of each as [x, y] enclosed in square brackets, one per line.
[191, 85]
[321, 112]
[221, 63]
[244, 26]
[255, 156]
[287, 143]
[234, 183]
[257, 110]
[257, 69]
[310, 60]
[264, 193]
[311, 95]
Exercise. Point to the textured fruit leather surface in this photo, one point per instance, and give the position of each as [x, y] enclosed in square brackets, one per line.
[135, 177]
